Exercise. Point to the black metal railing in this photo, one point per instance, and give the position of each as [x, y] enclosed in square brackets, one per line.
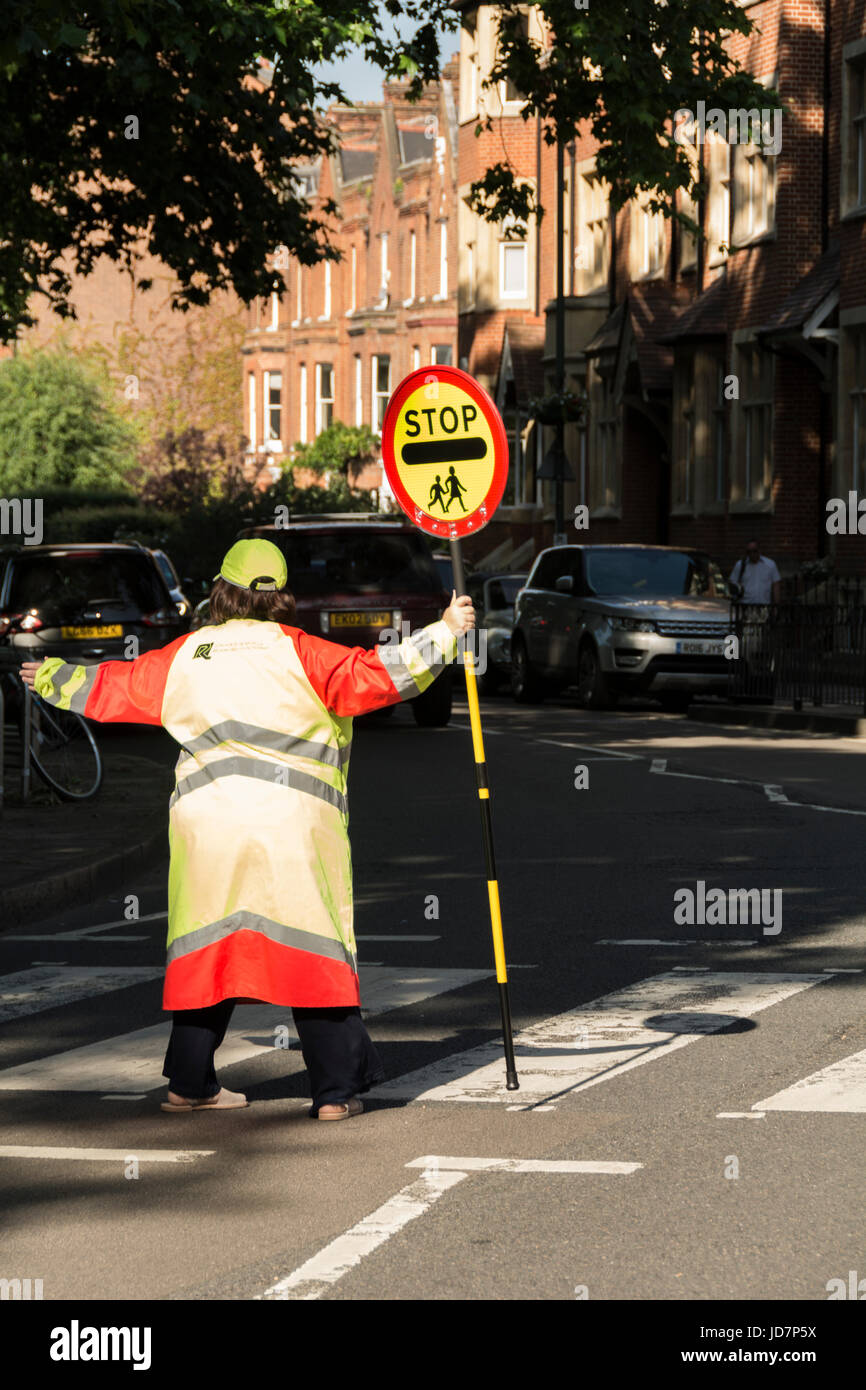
[807, 649]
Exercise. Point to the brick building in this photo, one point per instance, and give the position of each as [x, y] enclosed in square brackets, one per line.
[343, 334]
[726, 383]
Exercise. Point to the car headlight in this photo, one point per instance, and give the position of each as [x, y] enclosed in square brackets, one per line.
[632, 625]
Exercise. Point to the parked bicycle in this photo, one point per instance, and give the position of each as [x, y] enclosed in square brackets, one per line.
[63, 750]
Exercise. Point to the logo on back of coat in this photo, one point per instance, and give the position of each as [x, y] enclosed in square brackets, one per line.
[204, 650]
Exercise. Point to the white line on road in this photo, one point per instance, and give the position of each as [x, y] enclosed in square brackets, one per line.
[659, 941]
[837, 1089]
[82, 933]
[774, 793]
[50, 986]
[398, 938]
[522, 1165]
[105, 1155]
[320, 1273]
[741, 1115]
[133, 1061]
[603, 1039]
[658, 765]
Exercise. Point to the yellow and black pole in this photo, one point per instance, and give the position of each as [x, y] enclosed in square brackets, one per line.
[511, 1081]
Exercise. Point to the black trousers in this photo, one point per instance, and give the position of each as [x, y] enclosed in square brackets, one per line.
[338, 1051]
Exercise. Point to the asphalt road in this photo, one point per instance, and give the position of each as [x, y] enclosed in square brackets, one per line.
[656, 1171]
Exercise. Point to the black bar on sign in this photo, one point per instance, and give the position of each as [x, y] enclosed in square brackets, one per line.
[446, 451]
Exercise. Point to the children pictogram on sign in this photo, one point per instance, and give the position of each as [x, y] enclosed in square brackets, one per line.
[437, 494]
[456, 488]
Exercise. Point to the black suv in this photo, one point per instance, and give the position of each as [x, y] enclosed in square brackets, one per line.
[82, 601]
[354, 575]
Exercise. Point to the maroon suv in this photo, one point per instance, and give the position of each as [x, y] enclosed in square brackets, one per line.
[354, 575]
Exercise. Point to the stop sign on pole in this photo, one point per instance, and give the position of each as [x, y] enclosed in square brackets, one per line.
[445, 451]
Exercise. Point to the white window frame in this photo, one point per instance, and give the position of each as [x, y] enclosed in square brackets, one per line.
[275, 312]
[273, 444]
[376, 394]
[353, 279]
[384, 269]
[416, 358]
[443, 261]
[253, 415]
[322, 401]
[413, 266]
[513, 245]
[359, 389]
[302, 405]
[326, 306]
[299, 290]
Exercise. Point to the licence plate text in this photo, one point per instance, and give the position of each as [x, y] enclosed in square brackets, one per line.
[353, 619]
[700, 648]
[103, 630]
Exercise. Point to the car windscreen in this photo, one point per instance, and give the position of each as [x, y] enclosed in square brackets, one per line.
[652, 573]
[355, 560]
[166, 569]
[62, 585]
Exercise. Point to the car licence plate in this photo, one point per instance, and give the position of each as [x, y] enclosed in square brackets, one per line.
[360, 619]
[102, 630]
[700, 648]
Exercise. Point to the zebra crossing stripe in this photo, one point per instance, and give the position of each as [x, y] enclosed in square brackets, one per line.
[132, 1062]
[837, 1089]
[603, 1039]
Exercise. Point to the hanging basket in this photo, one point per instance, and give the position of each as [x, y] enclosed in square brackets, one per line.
[565, 408]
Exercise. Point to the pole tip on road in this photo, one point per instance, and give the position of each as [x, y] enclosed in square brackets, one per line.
[511, 1082]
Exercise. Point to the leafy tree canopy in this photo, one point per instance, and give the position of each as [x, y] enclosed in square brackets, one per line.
[624, 69]
[131, 125]
[61, 424]
[140, 124]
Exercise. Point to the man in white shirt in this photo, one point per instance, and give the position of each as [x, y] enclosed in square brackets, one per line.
[757, 576]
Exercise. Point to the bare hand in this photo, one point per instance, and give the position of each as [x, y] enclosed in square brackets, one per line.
[27, 672]
[460, 614]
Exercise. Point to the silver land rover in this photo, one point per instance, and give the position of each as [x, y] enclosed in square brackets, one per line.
[616, 619]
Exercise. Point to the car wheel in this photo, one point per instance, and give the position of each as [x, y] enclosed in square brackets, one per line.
[593, 690]
[526, 685]
[432, 709]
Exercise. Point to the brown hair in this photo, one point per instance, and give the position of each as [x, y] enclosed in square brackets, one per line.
[269, 605]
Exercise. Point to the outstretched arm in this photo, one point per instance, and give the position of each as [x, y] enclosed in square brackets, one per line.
[123, 692]
[352, 680]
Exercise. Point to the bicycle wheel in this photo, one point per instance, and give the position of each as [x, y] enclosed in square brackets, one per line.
[64, 752]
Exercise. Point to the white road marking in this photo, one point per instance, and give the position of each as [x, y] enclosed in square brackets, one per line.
[437, 1162]
[741, 1115]
[82, 933]
[774, 793]
[837, 1089]
[76, 936]
[133, 1061]
[50, 986]
[658, 765]
[589, 748]
[603, 1039]
[105, 1155]
[398, 938]
[320, 1273]
[659, 941]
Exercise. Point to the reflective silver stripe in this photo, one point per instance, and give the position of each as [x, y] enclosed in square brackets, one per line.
[278, 774]
[238, 732]
[404, 682]
[275, 931]
[79, 699]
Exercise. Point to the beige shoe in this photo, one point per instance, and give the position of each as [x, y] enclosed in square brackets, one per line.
[342, 1112]
[223, 1100]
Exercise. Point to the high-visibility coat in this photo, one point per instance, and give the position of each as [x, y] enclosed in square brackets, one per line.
[260, 874]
